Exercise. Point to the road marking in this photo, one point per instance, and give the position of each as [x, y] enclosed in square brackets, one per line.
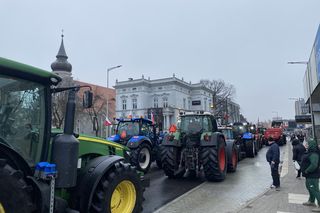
[285, 164]
[283, 212]
[162, 209]
[297, 198]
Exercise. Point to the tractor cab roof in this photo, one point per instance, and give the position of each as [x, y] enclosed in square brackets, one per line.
[16, 69]
[143, 120]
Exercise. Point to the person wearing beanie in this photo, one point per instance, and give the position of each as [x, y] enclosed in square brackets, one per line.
[273, 158]
[310, 170]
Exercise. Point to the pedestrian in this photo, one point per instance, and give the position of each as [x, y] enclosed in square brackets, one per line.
[310, 170]
[273, 158]
[298, 151]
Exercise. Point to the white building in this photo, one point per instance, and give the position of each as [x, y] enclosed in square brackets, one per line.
[164, 98]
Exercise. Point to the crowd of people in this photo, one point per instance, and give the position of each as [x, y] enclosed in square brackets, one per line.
[306, 158]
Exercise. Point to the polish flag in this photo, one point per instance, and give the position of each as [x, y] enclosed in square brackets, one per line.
[107, 122]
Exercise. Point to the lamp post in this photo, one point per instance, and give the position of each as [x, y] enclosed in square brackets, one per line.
[108, 70]
[310, 99]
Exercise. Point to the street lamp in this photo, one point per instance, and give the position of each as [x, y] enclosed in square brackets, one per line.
[310, 99]
[108, 70]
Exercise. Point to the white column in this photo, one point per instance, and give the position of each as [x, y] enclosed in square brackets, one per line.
[168, 122]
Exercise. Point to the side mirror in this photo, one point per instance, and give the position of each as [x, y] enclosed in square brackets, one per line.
[87, 99]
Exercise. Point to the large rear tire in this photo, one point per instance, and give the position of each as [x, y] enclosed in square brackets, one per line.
[141, 157]
[170, 160]
[15, 193]
[232, 159]
[158, 157]
[214, 161]
[250, 148]
[119, 191]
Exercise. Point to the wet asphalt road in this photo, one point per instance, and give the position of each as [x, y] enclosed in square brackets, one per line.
[163, 190]
[252, 178]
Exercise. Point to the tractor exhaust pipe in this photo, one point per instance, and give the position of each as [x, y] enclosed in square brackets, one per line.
[65, 148]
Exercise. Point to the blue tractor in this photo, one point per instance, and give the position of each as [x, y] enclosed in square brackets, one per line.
[139, 135]
[245, 139]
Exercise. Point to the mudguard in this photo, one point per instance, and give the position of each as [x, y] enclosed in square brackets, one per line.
[135, 141]
[89, 178]
[213, 139]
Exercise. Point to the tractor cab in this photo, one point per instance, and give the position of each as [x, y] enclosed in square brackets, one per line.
[45, 172]
[24, 112]
[133, 127]
[139, 135]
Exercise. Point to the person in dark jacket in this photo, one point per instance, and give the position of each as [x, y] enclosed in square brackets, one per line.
[298, 151]
[273, 158]
[310, 170]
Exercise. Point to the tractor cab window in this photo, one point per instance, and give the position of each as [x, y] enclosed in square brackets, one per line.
[22, 116]
[207, 124]
[145, 129]
[126, 129]
[191, 124]
[227, 133]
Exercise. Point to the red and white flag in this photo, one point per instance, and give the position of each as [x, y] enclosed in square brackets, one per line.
[107, 122]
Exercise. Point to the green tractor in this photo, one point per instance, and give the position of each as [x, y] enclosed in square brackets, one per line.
[196, 144]
[85, 174]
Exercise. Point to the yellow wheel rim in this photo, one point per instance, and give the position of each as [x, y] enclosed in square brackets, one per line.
[123, 198]
[1, 208]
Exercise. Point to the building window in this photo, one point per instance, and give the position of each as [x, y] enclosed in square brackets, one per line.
[184, 103]
[134, 88]
[124, 104]
[165, 102]
[189, 104]
[134, 103]
[155, 102]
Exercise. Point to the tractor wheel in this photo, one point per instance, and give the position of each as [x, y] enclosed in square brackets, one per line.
[16, 195]
[256, 149]
[170, 159]
[141, 157]
[250, 149]
[233, 159]
[214, 161]
[118, 191]
[158, 157]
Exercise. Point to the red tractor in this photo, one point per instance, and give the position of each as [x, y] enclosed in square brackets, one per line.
[277, 135]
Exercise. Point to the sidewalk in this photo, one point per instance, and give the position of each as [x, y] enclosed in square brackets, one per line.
[289, 199]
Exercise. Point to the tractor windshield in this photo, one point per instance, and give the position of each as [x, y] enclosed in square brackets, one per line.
[128, 129]
[238, 130]
[195, 124]
[22, 116]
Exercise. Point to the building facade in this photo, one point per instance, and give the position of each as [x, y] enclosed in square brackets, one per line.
[163, 99]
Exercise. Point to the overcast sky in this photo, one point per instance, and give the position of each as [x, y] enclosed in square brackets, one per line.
[246, 43]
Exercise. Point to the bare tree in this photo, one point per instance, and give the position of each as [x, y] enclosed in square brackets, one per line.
[97, 110]
[59, 102]
[221, 93]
